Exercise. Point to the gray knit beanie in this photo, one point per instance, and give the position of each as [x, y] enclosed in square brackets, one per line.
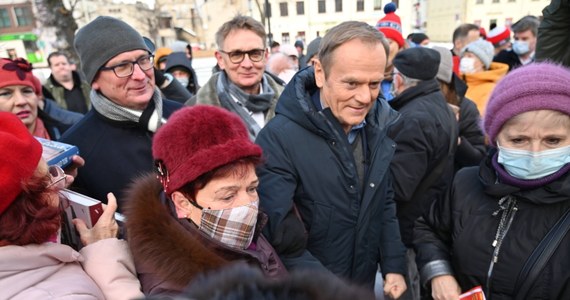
[445, 69]
[101, 40]
[483, 50]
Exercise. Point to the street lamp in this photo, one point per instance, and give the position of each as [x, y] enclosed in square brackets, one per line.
[268, 17]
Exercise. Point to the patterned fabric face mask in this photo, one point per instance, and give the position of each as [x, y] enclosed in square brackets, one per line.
[233, 227]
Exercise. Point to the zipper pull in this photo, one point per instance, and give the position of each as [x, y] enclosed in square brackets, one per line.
[494, 244]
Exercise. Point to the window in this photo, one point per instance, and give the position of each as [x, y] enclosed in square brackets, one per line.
[359, 5]
[301, 36]
[300, 8]
[23, 16]
[511, 0]
[285, 38]
[479, 2]
[377, 4]
[322, 6]
[338, 5]
[283, 9]
[495, 1]
[5, 19]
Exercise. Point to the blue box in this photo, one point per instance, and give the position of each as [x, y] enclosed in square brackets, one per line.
[56, 153]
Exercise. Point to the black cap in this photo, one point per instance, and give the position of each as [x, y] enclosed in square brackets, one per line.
[418, 63]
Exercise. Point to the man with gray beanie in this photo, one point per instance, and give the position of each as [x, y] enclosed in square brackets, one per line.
[426, 139]
[115, 137]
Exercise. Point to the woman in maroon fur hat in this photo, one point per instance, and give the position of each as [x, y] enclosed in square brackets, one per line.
[201, 213]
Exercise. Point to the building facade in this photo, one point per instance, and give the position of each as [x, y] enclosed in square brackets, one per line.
[18, 33]
[444, 16]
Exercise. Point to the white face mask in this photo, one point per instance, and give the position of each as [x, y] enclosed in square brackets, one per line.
[183, 81]
[521, 47]
[467, 65]
[525, 164]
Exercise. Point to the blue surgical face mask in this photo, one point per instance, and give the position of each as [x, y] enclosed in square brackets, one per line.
[521, 47]
[524, 164]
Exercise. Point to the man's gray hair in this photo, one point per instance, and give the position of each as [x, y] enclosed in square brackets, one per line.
[240, 22]
[345, 32]
[408, 82]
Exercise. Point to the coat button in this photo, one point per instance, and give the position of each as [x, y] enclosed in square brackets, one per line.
[352, 187]
[372, 185]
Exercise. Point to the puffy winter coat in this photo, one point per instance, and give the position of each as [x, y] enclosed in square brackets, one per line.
[102, 270]
[457, 235]
[351, 225]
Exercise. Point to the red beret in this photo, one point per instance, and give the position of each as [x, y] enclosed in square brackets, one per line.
[198, 139]
[18, 72]
[20, 153]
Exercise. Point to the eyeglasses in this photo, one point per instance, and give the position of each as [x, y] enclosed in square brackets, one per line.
[127, 68]
[236, 57]
[57, 177]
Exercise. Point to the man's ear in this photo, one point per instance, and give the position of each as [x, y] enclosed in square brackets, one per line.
[319, 74]
[182, 204]
[220, 60]
[95, 86]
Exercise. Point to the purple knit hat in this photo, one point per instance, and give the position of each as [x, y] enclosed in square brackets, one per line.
[532, 87]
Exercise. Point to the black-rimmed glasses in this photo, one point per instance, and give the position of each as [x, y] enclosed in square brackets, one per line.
[127, 68]
[236, 57]
[57, 177]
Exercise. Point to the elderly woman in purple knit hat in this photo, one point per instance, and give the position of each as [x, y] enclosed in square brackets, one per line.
[504, 224]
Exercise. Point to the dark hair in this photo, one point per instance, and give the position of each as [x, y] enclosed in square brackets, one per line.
[241, 281]
[449, 92]
[56, 53]
[527, 23]
[463, 30]
[238, 168]
[31, 218]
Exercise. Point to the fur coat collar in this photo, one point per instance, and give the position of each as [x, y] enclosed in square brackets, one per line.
[169, 252]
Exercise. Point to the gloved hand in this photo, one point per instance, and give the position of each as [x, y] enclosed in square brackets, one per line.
[159, 77]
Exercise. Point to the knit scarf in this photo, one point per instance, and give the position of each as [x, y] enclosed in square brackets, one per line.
[228, 91]
[150, 118]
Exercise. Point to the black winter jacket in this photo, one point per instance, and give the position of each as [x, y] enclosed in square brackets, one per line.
[457, 234]
[553, 39]
[472, 148]
[508, 57]
[114, 152]
[310, 164]
[426, 138]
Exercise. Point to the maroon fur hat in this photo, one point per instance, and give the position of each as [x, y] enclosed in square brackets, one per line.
[198, 139]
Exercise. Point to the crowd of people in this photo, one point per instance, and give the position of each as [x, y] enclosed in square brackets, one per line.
[293, 175]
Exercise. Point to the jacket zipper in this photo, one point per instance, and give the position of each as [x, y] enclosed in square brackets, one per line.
[507, 216]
